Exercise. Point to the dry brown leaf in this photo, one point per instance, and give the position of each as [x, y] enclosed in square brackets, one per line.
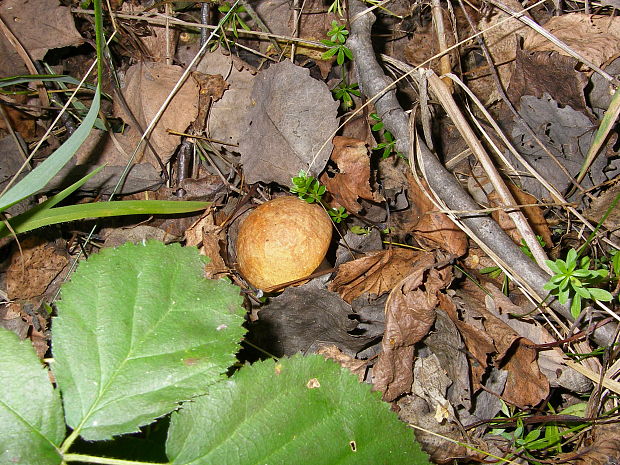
[354, 365]
[525, 385]
[533, 214]
[502, 36]
[434, 229]
[409, 316]
[212, 237]
[596, 38]
[537, 73]
[352, 180]
[147, 85]
[39, 25]
[286, 128]
[378, 272]
[603, 450]
[32, 271]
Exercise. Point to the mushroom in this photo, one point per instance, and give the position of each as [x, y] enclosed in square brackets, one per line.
[282, 240]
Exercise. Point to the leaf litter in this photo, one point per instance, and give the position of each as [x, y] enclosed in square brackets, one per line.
[405, 305]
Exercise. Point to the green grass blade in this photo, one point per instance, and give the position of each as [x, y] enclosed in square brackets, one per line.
[100, 210]
[42, 174]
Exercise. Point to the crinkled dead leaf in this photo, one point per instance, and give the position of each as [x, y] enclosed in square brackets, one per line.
[286, 129]
[378, 272]
[353, 178]
[602, 449]
[525, 385]
[409, 316]
[32, 269]
[596, 38]
[211, 239]
[434, 229]
[478, 343]
[538, 72]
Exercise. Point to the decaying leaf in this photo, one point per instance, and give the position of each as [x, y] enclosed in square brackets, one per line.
[566, 133]
[211, 239]
[356, 366]
[538, 72]
[147, 86]
[286, 130]
[352, 180]
[39, 25]
[378, 272]
[594, 37]
[304, 318]
[409, 316]
[525, 385]
[434, 229]
[31, 271]
[502, 36]
[604, 448]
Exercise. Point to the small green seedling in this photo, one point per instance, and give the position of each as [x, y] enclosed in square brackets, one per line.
[573, 279]
[344, 93]
[233, 22]
[337, 214]
[307, 188]
[360, 231]
[389, 142]
[337, 37]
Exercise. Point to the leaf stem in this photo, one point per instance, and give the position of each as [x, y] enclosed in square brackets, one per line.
[104, 460]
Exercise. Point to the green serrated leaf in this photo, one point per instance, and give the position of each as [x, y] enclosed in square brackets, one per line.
[138, 331]
[30, 410]
[302, 410]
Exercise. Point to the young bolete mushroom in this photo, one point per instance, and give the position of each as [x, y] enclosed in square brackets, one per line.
[282, 240]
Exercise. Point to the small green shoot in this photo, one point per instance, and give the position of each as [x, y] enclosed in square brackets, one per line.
[337, 37]
[336, 7]
[307, 188]
[233, 22]
[573, 279]
[389, 143]
[360, 231]
[338, 214]
[344, 93]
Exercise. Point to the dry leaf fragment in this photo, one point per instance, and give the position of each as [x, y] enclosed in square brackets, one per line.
[378, 272]
[286, 129]
[31, 271]
[409, 316]
[37, 32]
[211, 238]
[434, 229]
[147, 86]
[596, 38]
[352, 180]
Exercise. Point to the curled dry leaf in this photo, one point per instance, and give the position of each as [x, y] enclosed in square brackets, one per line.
[434, 229]
[409, 316]
[525, 385]
[353, 179]
[378, 272]
[604, 448]
[354, 365]
[211, 239]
